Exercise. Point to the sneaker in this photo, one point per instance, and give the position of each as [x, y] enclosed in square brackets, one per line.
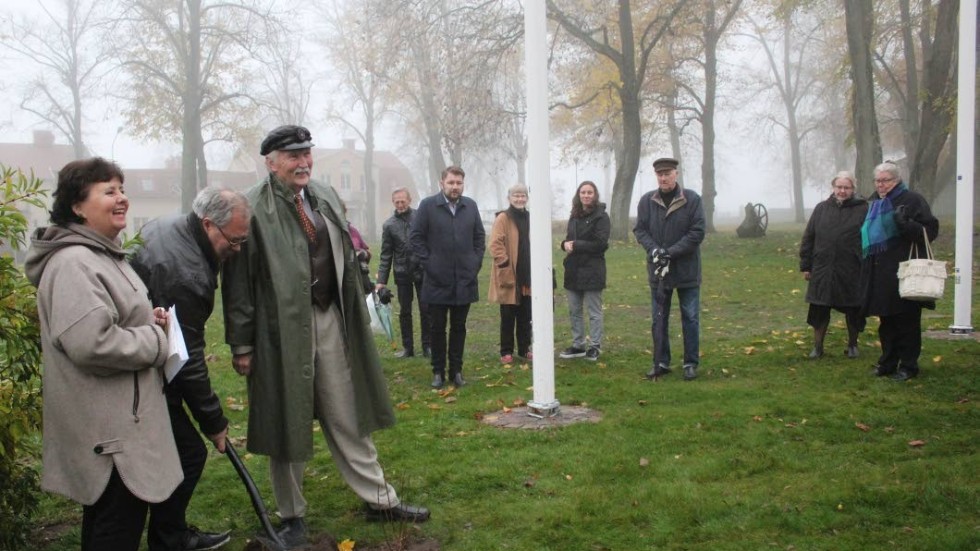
[196, 540]
[592, 354]
[572, 352]
[507, 359]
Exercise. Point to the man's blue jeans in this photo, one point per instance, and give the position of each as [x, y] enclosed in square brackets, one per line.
[690, 301]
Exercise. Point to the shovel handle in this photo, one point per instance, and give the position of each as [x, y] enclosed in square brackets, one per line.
[253, 493]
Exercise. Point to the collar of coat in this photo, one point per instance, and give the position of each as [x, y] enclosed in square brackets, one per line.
[201, 238]
[679, 199]
[322, 199]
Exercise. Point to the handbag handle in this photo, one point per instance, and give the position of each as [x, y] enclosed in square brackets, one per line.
[915, 246]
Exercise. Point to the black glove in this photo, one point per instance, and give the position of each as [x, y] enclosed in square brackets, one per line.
[901, 216]
[659, 257]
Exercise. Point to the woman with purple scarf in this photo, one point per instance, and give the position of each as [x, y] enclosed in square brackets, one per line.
[895, 222]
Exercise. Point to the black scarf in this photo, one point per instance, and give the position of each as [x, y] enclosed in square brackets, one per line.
[523, 222]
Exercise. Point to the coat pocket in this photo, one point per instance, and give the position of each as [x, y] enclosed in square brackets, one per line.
[505, 277]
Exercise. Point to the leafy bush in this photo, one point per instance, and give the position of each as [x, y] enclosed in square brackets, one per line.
[20, 364]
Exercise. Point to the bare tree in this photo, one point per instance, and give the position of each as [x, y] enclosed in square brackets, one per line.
[792, 67]
[188, 64]
[711, 19]
[286, 87]
[859, 17]
[631, 58]
[68, 50]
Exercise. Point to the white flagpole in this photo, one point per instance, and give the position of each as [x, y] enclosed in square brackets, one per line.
[543, 403]
[965, 112]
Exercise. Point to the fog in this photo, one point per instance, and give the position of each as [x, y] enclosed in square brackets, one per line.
[752, 165]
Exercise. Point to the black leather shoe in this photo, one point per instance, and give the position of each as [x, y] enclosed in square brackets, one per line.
[881, 371]
[690, 372]
[399, 513]
[457, 379]
[816, 353]
[292, 532]
[904, 374]
[438, 380]
[196, 540]
[426, 352]
[405, 354]
[657, 371]
[851, 352]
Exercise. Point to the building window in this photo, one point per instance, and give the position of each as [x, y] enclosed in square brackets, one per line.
[345, 176]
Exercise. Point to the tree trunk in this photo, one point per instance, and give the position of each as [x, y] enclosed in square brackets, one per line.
[192, 147]
[619, 211]
[910, 122]
[938, 85]
[370, 186]
[859, 18]
[708, 189]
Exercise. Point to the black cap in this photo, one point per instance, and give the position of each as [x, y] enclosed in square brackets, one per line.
[665, 163]
[285, 138]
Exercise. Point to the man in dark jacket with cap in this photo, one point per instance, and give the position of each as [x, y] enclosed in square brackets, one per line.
[670, 227]
[299, 329]
[179, 262]
[448, 238]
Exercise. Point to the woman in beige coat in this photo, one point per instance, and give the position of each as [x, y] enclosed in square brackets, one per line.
[510, 278]
[107, 441]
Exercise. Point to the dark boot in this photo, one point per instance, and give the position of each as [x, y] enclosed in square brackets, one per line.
[852, 342]
[818, 335]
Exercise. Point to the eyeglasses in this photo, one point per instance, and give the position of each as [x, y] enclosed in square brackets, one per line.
[883, 180]
[233, 242]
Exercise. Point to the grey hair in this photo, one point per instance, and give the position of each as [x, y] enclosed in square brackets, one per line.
[401, 189]
[516, 188]
[891, 168]
[844, 175]
[218, 204]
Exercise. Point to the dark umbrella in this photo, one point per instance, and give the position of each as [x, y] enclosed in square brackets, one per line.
[272, 542]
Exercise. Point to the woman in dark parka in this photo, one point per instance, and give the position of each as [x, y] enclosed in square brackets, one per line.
[830, 259]
[897, 219]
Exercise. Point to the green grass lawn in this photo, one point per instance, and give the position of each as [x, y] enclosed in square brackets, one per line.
[766, 450]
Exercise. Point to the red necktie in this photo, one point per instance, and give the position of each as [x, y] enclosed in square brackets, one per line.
[304, 220]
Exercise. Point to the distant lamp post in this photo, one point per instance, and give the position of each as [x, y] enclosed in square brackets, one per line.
[112, 150]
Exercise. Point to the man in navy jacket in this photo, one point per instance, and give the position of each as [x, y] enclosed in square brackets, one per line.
[448, 237]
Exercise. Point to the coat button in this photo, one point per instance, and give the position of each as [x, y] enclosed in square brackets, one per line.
[98, 449]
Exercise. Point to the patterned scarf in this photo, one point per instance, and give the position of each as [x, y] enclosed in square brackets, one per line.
[879, 229]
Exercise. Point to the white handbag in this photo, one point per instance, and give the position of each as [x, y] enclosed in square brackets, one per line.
[921, 279]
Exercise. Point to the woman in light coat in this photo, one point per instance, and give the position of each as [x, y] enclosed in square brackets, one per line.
[510, 279]
[107, 441]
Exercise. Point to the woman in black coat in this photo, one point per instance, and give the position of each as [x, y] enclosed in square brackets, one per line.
[585, 244]
[897, 219]
[830, 259]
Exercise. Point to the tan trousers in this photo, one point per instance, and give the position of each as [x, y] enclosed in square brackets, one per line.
[355, 455]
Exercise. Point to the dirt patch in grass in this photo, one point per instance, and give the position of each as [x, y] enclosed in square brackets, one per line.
[326, 542]
[518, 418]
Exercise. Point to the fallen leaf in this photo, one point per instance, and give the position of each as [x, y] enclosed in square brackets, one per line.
[236, 407]
[862, 426]
[937, 359]
[403, 405]
[519, 402]
[644, 462]
[435, 406]
[529, 482]
[917, 443]
[568, 477]
[346, 545]
[889, 430]
[757, 418]
[644, 402]
[506, 410]
[840, 506]
[749, 350]
[450, 399]
[963, 400]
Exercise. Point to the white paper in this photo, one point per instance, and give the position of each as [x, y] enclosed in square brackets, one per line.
[177, 354]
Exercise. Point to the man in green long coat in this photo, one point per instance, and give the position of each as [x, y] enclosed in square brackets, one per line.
[299, 330]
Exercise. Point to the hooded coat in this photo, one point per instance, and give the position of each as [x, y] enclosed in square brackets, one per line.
[678, 228]
[585, 266]
[831, 251]
[104, 406]
[268, 309]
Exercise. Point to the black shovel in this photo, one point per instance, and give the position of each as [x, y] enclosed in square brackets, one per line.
[272, 542]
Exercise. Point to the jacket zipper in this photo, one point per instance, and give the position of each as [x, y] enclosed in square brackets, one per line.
[136, 397]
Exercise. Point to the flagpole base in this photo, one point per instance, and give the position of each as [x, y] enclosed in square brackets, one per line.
[543, 410]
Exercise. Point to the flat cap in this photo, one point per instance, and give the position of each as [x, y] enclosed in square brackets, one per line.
[665, 163]
[285, 138]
